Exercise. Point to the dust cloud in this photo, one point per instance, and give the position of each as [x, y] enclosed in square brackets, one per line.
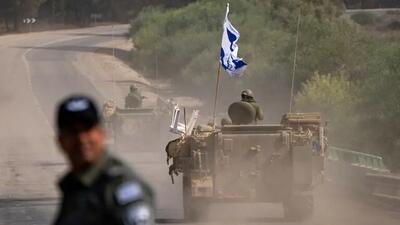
[334, 203]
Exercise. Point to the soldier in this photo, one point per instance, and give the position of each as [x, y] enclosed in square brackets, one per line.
[99, 188]
[247, 96]
[134, 99]
[246, 111]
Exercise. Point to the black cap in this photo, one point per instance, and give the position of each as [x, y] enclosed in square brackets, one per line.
[77, 109]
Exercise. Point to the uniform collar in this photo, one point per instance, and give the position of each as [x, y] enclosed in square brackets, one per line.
[88, 177]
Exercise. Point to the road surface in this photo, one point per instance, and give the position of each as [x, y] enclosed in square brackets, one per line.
[39, 69]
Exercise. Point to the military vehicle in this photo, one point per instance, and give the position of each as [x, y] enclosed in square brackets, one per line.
[127, 124]
[278, 163]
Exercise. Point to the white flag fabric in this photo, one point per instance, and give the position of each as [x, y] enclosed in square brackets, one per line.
[229, 60]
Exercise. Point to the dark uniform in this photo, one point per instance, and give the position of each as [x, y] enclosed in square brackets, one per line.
[134, 99]
[99, 189]
[246, 111]
[108, 193]
[247, 96]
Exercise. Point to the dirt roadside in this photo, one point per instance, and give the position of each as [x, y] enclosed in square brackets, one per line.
[114, 75]
[102, 68]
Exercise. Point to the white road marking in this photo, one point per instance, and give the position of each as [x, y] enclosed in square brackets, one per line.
[29, 76]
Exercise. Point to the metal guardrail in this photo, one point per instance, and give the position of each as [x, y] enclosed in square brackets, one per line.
[366, 174]
[371, 4]
[358, 159]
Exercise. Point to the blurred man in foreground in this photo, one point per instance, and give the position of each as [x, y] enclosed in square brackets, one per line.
[99, 188]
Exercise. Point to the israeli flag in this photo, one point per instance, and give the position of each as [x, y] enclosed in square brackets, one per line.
[229, 60]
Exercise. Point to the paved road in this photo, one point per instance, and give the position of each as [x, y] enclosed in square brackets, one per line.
[37, 70]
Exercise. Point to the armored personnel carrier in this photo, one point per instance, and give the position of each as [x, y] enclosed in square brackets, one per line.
[133, 124]
[278, 163]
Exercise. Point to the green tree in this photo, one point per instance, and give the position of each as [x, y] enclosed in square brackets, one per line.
[183, 38]
[380, 106]
[14, 11]
[349, 74]
[335, 96]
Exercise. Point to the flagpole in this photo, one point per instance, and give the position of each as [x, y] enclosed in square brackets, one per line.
[216, 93]
[218, 76]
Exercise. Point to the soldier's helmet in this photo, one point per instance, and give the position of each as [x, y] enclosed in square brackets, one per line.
[132, 88]
[247, 94]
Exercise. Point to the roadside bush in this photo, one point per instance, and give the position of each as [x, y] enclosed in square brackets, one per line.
[177, 37]
[380, 105]
[334, 95]
[363, 113]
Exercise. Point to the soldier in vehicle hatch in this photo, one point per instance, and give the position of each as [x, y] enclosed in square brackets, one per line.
[134, 99]
[247, 96]
[246, 111]
[99, 189]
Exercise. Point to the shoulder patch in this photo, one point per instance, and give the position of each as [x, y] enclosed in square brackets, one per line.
[128, 192]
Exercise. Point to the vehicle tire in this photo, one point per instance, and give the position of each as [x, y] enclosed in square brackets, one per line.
[193, 209]
[298, 207]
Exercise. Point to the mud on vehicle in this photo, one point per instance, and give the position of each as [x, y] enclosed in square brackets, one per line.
[278, 163]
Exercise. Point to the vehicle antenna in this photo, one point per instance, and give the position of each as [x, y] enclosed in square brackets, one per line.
[295, 61]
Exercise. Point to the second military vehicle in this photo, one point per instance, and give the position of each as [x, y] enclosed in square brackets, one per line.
[132, 126]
